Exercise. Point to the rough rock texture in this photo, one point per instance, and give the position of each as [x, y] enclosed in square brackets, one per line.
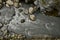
[6, 15]
[43, 25]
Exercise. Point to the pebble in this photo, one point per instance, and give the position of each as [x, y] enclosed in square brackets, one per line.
[32, 17]
[13, 35]
[16, 36]
[7, 5]
[9, 2]
[35, 8]
[20, 4]
[16, 4]
[26, 11]
[31, 10]
[26, 1]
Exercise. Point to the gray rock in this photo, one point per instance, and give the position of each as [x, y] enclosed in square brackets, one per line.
[6, 14]
[44, 25]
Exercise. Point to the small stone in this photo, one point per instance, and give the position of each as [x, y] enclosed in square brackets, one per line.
[9, 2]
[32, 17]
[16, 0]
[16, 4]
[31, 10]
[1, 1]
[5, 32]
[26, 12]
[13, 35]
[20, 4]
[22, 20]
[35, 8]
[7, 5]
[26, 1]
[1, 6]
[35, 2]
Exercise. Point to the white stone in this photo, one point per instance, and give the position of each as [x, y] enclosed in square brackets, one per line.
[32, 17]
[9, 2]
[16, 0]
[7, 5]
[31, 10]
[16, 4]
[26, 11]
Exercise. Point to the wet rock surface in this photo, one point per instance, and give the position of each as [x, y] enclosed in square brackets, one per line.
[14, 20]
[43, 25]
[6, 15]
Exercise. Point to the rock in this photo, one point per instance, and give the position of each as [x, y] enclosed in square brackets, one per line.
[16, 1]
[13, 35]
[35, 8]
[20, 36]
[1, 1]
[20, 4]
[6, 15]
[1, 6]
[9, 2]
[26, 1]
[16, 4]
[7, 5]
[32, 17]
[26, 11]
[35, 2]
[31, 10]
